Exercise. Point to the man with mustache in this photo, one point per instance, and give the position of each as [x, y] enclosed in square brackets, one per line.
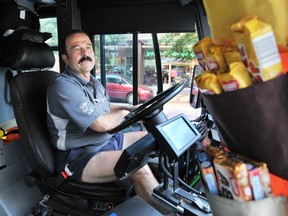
[79, 116]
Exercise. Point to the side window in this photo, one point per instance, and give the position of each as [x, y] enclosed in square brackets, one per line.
[50, 25]
[118, 80]
[123, 81]
[112, 80]
[109, 80]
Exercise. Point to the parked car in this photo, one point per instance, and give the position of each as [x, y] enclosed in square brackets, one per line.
[117, 69]
[118, 88]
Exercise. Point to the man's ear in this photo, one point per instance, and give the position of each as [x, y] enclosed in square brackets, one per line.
[65, 58]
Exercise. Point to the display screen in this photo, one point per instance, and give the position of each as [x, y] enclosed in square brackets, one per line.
[179, 132]
[176, 135]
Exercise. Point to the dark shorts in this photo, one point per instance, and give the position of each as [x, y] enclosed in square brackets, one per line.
[62, 158]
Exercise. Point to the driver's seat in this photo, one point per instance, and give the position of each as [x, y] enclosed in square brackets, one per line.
[28, 94]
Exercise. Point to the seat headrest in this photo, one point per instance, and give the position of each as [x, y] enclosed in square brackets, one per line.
[27, 55]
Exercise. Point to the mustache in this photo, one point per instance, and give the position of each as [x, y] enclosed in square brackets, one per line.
[84, 58]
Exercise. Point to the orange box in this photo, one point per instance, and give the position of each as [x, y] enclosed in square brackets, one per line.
[284, 59]
[279, 185]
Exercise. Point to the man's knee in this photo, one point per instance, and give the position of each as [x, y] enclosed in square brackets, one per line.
[142, 173]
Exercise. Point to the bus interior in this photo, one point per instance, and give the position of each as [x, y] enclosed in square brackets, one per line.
[144, 56]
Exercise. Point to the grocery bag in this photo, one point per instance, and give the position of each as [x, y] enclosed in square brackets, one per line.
[222, 14]
[254, 122]
[266, 207]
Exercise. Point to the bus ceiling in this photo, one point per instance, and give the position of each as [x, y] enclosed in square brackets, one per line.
[114, 16]
[149, 16]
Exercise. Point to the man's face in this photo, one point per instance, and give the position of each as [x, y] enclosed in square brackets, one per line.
[80, 55]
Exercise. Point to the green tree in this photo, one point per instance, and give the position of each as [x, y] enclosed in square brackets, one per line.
[110, 40]
[50, 25]
[182, 45]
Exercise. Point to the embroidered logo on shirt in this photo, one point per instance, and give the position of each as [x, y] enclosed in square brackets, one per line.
[87, 107]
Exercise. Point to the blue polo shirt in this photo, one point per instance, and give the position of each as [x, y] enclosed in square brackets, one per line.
[73, 103]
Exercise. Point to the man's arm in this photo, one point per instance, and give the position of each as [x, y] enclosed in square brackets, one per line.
[129, 108]
[108, 121]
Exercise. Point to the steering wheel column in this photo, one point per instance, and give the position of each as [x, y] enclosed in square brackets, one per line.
[154, 119]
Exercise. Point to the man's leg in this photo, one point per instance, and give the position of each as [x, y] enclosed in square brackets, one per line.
[144, 182]
[100, 168]
[143, 179]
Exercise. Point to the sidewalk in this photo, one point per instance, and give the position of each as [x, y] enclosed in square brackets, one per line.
[174, 107]
[182, 97]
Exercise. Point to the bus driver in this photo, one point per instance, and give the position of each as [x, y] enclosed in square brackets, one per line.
[79, 116]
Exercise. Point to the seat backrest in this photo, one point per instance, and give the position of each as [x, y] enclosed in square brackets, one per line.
[28, 95]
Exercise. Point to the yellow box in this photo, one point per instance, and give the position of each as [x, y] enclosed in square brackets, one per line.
[258, 47]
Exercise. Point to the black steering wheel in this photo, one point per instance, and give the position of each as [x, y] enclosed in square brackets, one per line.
[149, 107]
